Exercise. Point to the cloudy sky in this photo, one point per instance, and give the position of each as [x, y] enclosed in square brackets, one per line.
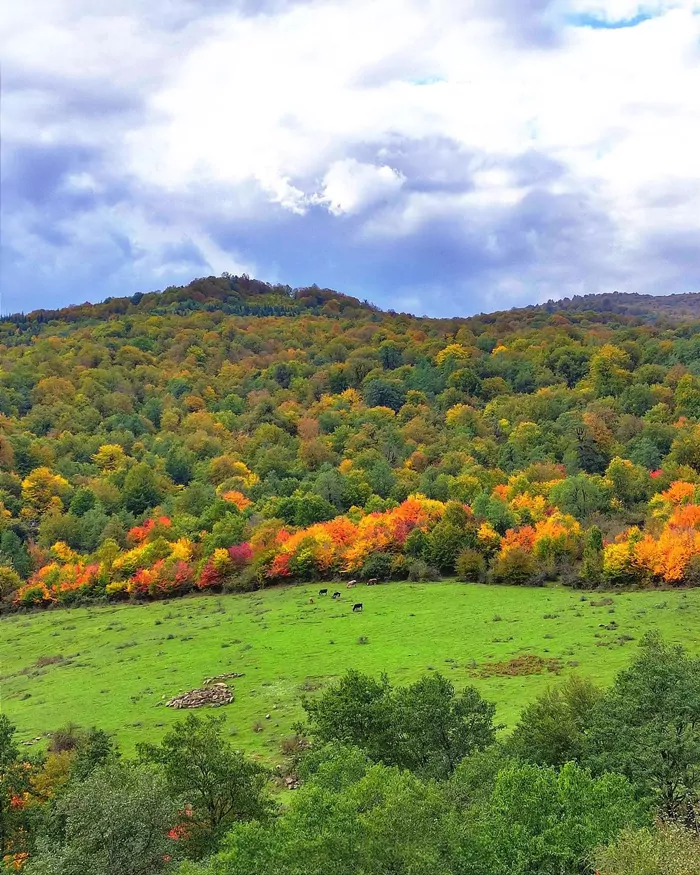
[436, 156]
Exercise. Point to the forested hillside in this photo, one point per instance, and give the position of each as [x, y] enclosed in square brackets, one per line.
[232, 434]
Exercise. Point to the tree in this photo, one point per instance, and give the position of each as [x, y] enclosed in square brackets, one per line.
[14, 553]
[668, 849]
[141, 489]
[354, 711]
[425, 727]
[115, 822]
[219, 783]
[580, 495]
[384, 393]
[14, 784]
[351, 816]
[542, 822]
[43, 489]
[647, 726]
[445, 543]
[436, 728]
[551, 730]
[9, 581]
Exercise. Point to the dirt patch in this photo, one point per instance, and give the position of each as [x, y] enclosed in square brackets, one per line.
[43, 661]
[221, 677]
[519, 666]
[213, 696]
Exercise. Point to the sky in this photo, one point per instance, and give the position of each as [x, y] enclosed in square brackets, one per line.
[441, 157]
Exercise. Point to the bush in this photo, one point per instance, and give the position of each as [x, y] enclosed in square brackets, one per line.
[514, 566]
[247, 580]
[9, 580]
[378, 565]
[471, 566]
[419, 570]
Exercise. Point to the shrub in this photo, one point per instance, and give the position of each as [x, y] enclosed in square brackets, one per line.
[470, 566]
[377, 565]
[514, 566]
[419, 570]
[248, 579]
[9, 580]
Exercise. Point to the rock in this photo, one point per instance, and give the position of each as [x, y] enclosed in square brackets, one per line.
[214, 695]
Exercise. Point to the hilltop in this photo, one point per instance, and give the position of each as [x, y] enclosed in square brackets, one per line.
[243, 296]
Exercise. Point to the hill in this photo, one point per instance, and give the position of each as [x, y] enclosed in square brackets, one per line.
[231, 434]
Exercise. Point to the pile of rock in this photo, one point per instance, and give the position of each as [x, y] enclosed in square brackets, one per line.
[214, 695]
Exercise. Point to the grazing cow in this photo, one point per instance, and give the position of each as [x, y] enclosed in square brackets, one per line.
[351, 583]
[336, 595]
[372, 581]
[311, 601]
[323, 592]
[357, 607]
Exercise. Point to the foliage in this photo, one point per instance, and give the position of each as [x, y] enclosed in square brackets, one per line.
[552, 730]
[542, 822]
[647, 726]
[230, 405]
[425, 727]
[668, 849]
[217, 783]
[115, 822]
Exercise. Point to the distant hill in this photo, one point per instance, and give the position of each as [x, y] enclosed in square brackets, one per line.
[243, 296]
[232, 295]
[629, 304]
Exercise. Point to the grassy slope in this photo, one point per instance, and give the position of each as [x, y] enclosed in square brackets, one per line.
[121, 662]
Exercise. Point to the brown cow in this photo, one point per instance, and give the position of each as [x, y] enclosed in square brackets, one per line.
[351, 583]
[372, 581]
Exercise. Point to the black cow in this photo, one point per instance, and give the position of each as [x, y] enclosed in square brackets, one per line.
[336, 595]
[357, 607]
[323, 592]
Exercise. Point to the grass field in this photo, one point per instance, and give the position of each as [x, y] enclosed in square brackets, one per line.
[119, 664]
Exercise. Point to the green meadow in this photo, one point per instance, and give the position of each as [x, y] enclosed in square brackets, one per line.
[115, 667]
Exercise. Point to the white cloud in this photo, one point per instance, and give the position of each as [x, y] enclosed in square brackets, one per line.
[305, 105]
[350, 186]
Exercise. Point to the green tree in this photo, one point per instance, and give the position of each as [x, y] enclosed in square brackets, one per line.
[551, 730]
[350, 817]
[141, 489]
[580, 495]
[14, 782]
[380, 392]
[354, 711]
[436, 728]
[647, 726]
[115, 822]
[202, 768]
[539, 821]
[668, 849]
[425, 727]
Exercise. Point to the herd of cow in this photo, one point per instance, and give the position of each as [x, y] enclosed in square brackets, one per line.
[336, 595]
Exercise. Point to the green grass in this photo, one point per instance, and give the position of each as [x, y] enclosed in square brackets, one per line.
[121, 663]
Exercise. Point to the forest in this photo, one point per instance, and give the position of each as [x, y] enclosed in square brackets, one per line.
[231, 435]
